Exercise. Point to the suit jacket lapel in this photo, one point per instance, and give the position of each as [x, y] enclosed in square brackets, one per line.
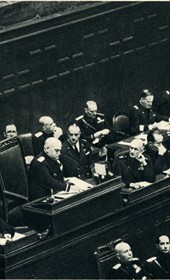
[71, 152]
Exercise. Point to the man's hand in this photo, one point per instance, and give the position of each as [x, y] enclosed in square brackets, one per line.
[161, 150]
[142, 159]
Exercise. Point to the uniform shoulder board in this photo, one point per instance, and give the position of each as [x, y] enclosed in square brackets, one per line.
[41, 159]
[136, 107]
[151, 259]
[79, 118]
[100, 114]
[38, 134]
[118, 265]
[122, 157]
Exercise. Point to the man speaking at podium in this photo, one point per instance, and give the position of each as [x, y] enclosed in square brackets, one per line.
[46, 171]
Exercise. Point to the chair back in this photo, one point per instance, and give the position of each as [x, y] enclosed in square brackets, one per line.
[121, 123]
[13, 175]
[106, 258]
[26, 142]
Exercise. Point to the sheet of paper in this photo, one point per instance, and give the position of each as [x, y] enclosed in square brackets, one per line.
[100, 169]
[167, 171]
[3, 241]
[17, 236]
[163, 125]
[124, 143]
[82, 185]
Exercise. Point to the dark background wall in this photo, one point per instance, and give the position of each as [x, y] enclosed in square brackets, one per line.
[106, 52]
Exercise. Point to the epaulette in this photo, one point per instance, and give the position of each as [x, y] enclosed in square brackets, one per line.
[151, 259]
[41, 159]
[122, 157]
[100, 114]
[117, 266]
[79, 118]
[136, 107]
[38, 134]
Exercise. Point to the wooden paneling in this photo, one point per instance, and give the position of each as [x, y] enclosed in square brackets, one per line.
[108, 54]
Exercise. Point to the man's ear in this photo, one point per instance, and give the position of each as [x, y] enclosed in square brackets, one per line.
[117, 255]
[85, 110]
[5, 134]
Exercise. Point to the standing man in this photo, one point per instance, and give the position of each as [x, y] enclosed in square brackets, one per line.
[46, 126]
[128, 267]
[94, 127]
[135, 167]
[76, 154]
[46, 171]
[158, 267]
[141, 116]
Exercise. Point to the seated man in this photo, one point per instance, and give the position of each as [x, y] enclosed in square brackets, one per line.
[135, 167]
[10, 131]
[158, 267]
[76, 154]
[141, 116]
[47, 125]
[157, 151]
[162, 103]
[46, 171]
[128, 267]
[94, 127]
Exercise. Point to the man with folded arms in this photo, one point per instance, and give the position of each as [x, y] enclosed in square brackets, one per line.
[135, 167]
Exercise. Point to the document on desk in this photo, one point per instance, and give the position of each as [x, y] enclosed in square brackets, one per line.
[167, 172]
[16, 236]
[142, 136]
[100, 169]
[144, 184]
[80, 184]
[124, 143]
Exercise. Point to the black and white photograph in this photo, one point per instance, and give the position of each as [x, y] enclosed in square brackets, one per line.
[84, 139]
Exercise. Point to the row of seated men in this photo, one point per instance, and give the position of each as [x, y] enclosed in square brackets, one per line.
[58, 156]
[130, 267]
[48, 168]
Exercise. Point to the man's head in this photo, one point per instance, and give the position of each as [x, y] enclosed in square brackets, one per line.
[47, 124]
[73, 133]
[155, 136]
[52, 148]
[163, 244]
[124, 252]
[136, 148]
[91, 109]
[146, 99]
[10, 131]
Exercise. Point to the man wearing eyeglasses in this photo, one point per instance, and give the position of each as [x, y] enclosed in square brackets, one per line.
[94, 126]
[76, 154]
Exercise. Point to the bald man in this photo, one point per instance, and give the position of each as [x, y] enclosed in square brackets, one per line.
[158, 267]
[46, 171]
[136, 167]
[94, 126]
[47, 125]
[128, 267]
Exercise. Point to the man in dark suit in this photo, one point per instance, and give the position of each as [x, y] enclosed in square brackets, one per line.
[141, 116]
[135, 167]
[128, 267]
[46, 171]
[76, 154]
[94, 127]
[158, 267]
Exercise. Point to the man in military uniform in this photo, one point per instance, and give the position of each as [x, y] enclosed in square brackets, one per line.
[76, 154]
[162, 103]
[141, 116]
[158, 267]
[135, 167]
[47, 125]
[46, 171]
[94, 127]
[128, 267]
